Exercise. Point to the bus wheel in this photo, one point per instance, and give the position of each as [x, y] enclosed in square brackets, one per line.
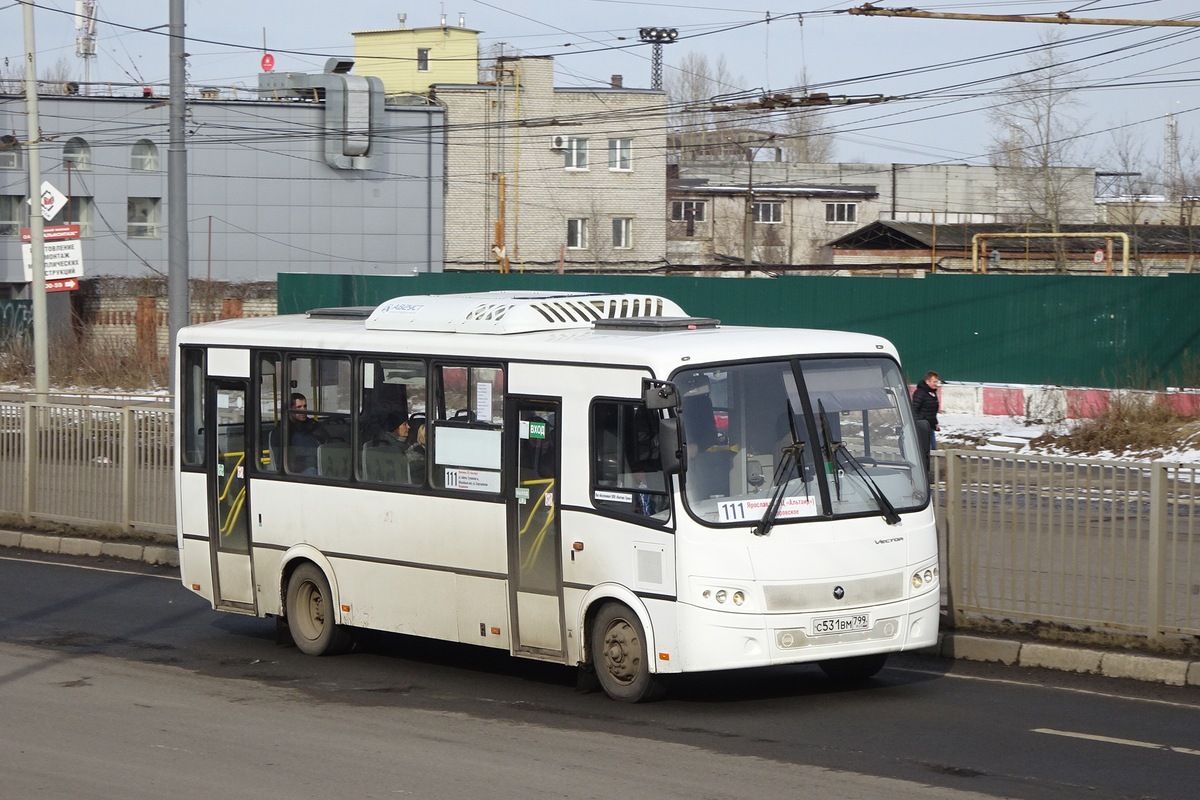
[619, 655]
[310, 614]
[855, 668]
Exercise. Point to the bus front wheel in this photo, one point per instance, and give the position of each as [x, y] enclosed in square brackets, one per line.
[855, 668]
[620, 657]
[310, 614]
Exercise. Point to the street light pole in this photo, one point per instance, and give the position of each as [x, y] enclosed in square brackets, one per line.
[177, 220]
[658, 37]
[37, 289]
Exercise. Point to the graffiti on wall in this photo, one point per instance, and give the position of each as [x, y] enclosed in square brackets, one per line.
[16, 320]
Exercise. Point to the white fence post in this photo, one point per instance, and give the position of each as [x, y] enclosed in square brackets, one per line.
[127, 466]
[954, 568]
[1157, 561]
[31, 443]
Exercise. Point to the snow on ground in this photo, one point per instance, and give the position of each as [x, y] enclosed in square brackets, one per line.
[1013, 434]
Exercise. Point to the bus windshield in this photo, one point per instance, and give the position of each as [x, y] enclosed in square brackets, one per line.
[808, 439]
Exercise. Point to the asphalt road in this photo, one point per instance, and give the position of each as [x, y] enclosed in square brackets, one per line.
[117, 682]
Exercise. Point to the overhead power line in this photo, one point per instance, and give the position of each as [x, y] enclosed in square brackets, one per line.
[1061, 18]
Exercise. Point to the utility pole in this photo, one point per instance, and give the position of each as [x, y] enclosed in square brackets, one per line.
[748, 220]
[37, 240]
[177, 219]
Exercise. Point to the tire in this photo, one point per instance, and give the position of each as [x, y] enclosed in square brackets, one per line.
[618, 649]
[310, 614]
[855, 668]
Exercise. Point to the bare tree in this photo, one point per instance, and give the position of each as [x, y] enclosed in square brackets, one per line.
[1035, 132]
[53, 80]
[803, 132]
[691, 89]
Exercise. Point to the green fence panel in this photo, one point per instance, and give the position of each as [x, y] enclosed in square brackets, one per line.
[1134, 332]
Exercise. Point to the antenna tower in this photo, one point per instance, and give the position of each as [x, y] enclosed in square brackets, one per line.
[85, 37]
[1171, 163]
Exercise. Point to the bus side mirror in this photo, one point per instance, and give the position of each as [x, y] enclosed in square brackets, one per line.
[669, 447]
[660, 395]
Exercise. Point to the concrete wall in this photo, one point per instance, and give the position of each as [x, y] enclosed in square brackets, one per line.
[913, 192]
[391, 55]
[540, 194]
[262, 198]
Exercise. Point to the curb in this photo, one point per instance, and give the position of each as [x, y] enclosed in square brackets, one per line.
[165, 555]
[1065, 658]
[968, 647]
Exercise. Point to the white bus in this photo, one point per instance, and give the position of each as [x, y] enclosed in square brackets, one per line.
[591, 479]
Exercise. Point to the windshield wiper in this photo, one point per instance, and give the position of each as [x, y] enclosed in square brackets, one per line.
[830, 449]
[793, 455]
[833, 449]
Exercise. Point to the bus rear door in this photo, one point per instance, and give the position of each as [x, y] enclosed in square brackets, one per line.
[534, 538]
[229, 497]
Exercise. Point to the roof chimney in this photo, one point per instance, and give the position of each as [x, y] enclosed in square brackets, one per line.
[403, 18]
[618, 81]
[462, 20]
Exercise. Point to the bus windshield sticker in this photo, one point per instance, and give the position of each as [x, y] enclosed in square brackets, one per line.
[472, 480]
[752, 510]
[613, 497]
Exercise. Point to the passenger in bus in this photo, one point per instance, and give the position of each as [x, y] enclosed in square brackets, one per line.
[416, 457]
[395, 431]
[304, 435]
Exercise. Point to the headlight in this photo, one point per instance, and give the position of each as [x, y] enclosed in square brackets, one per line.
[721, 595]
[738, 598]
[925, 577]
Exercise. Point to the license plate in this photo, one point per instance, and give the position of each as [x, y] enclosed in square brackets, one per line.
[854, 622]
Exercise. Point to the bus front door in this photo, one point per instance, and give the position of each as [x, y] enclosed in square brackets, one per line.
[228, 504]
[534, 540]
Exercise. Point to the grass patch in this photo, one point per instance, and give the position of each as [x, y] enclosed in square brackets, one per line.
[94, 362]
[1133, 423]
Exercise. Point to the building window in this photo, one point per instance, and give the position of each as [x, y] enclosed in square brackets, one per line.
[143, 217]
[77, 154]
[622, 233]
[10, 152]
[768, 212]
[422, 59]
[684, 210]
[575, 155]
[78, 211]
[841, 212]
[620, 154]
[577, 234]
[144, 156]
[13, 214]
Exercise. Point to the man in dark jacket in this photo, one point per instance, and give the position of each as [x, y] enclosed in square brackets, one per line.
[925, 409]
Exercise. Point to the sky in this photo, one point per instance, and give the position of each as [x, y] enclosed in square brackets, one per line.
[944, 73]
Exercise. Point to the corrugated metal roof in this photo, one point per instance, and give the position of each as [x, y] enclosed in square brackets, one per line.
[893, 235]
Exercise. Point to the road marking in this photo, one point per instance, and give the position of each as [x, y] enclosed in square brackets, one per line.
[1071, 689]
[1092, 737]
[93, 569]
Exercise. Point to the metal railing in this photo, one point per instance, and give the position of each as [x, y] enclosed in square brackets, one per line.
[88, 464]
[1107, 545]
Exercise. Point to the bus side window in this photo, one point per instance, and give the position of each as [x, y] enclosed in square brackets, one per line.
[469, 416]
[627, 472]
[270, 420]
[391, 410]
[192, 453]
